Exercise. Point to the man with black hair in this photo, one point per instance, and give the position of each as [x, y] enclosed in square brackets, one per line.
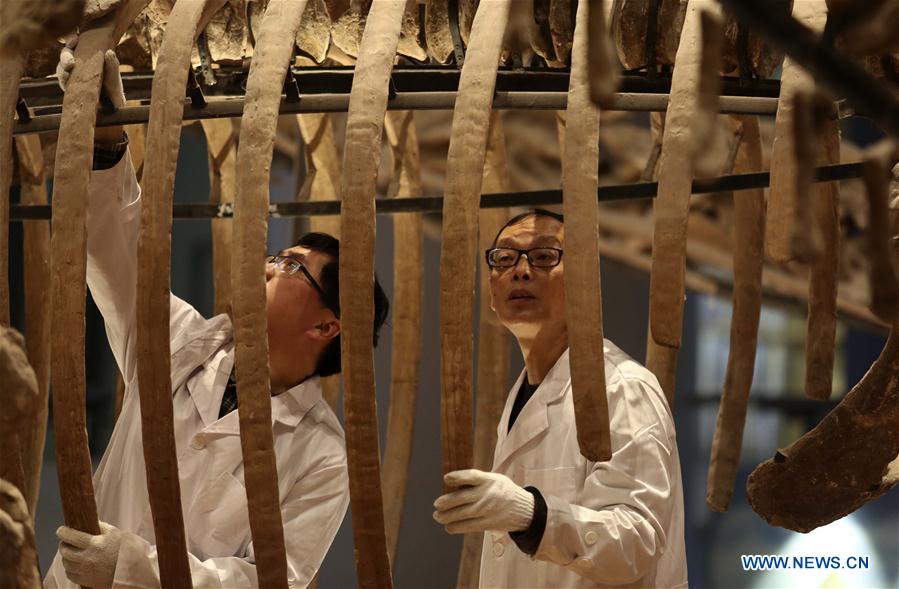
[553, 518]
[302, 304]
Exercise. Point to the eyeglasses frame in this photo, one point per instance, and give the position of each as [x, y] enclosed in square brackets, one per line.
[525, 253]
[277, 259]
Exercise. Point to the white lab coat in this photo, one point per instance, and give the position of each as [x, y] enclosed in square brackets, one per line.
[308, 439]
[617, 523]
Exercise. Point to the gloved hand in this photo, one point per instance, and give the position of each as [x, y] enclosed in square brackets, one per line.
[485, 501]
[112, 79]
[90, 560]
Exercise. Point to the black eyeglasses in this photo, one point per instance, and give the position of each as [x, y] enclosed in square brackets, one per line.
[290, 266]
[538, 257]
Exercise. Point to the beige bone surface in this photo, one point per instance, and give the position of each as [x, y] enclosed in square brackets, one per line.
[13, 505]
[781, 212]
[583, 303]
[464, 173]
[407, 302]
[410, 44]
[437, 32]
[671, 206]
[361, 157]
[749, 232]
[347, 32]
[36, 247]
[843, 462]
[314, 34]
[72, 169]
[221, 141]
[153, 288]
[271, 58]
[10, 73]
[493, 340]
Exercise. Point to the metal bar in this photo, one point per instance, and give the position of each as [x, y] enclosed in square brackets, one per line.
[322, 103]
[434, 204]
[231, 81]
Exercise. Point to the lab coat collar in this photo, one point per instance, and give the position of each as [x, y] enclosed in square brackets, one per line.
[533, 419]
[288, 408]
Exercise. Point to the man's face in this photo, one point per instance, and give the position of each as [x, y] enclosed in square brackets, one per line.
[526, 299]
[294, 306]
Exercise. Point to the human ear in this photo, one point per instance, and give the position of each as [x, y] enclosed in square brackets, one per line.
[325, 330]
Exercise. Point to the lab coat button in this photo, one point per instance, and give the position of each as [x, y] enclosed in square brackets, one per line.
[198, 443]
[585, 563]
[590, 538]
[498, 549]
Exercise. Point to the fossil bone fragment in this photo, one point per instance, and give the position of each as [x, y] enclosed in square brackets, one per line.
[583, 304]
[407, 300]
[749, 232]
[671, 207]
[153, 288]
[361, 157]
[843, 463]
[271, 58]
[464, 173]
[493, 341]
[36, 247]
[221, 141]
[68, 246]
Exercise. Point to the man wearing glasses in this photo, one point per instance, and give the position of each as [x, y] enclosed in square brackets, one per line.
[551, 517]
[302, 294]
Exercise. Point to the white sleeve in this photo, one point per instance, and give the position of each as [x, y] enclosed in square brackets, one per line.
[616, 532]
[312, 514]
[113, 223]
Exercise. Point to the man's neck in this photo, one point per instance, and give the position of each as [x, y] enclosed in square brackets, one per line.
[542, 352]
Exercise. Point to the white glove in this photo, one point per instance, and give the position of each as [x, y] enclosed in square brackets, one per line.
[90, 560]
[486, 501]
[112, 78]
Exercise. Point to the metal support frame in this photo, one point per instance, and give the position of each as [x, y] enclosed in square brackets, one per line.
[434, 204]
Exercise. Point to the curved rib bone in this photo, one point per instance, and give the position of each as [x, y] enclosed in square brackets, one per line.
[68, 246]
[221, 141]
[271, 58]
[153, 306]
[361, 156]
[493, 341]
[464, 172]
[407, 300]
[749, 232]
[842, 463]
[583, 303]
[36, 248]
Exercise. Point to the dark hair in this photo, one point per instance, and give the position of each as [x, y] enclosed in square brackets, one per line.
[525, 215]
[329, 362]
